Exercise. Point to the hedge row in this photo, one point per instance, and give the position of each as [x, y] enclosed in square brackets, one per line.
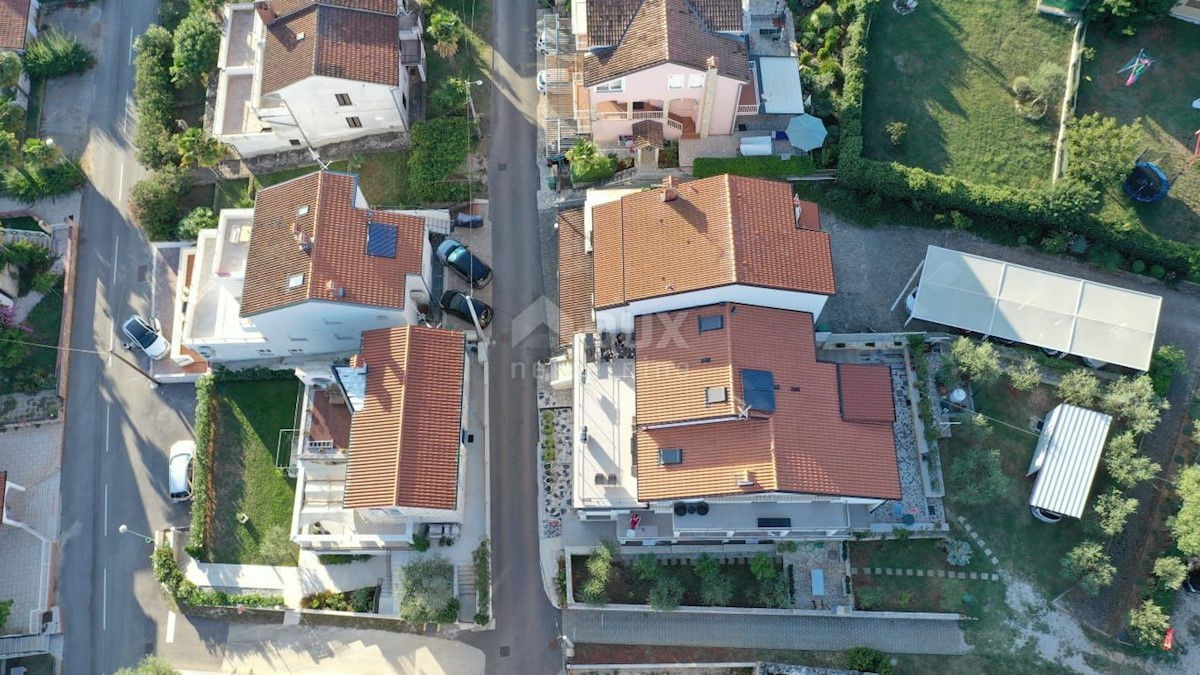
[439, 148]
[1063, 208]
[154, 98]
[167, 573]
[754, 167]
[223, 373]
[202, 475]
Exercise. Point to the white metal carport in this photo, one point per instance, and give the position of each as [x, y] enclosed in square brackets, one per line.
[1039, 308]
[1067, 455]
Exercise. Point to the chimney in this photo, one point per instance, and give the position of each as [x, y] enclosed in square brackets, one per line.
[670, 189]
[337, 290]
[799, 207]
[303, 241]
[265, 11]
[711, 63]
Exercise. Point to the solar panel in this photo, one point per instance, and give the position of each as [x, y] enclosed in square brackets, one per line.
[758, 388]
[381, 240]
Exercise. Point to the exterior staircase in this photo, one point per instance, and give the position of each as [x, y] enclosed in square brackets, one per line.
[14, 646]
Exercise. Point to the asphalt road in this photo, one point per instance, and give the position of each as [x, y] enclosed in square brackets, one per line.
[527, 625]
[117, 427]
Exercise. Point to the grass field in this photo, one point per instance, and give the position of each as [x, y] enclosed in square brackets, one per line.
[1162, 98]
[945, 70]
[249, 418]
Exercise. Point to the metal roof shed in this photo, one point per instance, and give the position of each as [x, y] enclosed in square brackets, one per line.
[779, 85]
[1066, 458]
[1039, 308]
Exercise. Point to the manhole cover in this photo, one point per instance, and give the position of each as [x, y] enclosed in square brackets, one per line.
[505, 650]
[503, 166]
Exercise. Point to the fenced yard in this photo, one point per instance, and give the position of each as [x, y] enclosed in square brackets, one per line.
[1162, 98]
[945, 70]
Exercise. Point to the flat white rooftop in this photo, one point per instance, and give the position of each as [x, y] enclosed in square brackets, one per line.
[1039, 308]
[215, 296]
[603, 463]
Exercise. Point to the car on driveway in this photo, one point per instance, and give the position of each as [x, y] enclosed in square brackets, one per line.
[146, 337]
[179, 471]
[455, 303]
[460, 259]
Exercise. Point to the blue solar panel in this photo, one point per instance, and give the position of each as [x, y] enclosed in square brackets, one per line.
[758, 388]
[381, 240]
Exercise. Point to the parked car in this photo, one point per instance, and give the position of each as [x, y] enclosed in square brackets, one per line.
[179, 471]
[910, 303]
[547, 42]
[541, 81]
[1044, 515]
[460, 259]
[455, 303]
[146, 337]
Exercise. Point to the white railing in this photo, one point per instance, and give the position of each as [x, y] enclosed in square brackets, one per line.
[618, 178]
[748, 109]
[13, 236]
[674, 125]
[634, 115]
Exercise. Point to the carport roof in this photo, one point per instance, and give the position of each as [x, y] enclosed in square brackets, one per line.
[1036, 307]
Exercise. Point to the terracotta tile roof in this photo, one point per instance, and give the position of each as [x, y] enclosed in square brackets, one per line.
[717, 231]
[648, 134]
[339, 42]
[404, 443]
[14, 23]
[321, 207]
[865, 391]
[667, 31]
[574, 278]
[803, 446]
[607, 19]
[283, 8]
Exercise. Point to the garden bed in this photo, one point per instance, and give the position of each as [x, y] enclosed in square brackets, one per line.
[904, 593]
[625, 586]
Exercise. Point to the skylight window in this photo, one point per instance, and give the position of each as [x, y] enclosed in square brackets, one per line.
[670, 456]
[296, 281]
[712, 322]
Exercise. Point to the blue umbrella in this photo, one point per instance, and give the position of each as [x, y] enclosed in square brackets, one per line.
[806, 132]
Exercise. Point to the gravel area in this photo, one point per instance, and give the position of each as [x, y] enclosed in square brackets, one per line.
[556, 475]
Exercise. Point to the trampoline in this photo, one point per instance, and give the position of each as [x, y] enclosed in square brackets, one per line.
[1147, 183]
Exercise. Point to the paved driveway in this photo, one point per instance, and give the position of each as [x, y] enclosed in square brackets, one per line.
[896, 636]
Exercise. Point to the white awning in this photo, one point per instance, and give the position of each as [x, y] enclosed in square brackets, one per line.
[1039, 308]
[779, 85]
[1066, 458]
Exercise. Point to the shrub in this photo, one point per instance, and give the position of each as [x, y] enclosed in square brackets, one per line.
[1113, 511]
[588, 164]
[762, 566]
[55, 53]
[154, 97]
[896, 132]
[1133, 400]
[666, 593]
[867, 660]
[446, 29]
[1022, 88]
[341, 558]
[869, 597]
[1138, 266]
[1049, 81]
[1167, 362]
[482, 561]
[421, 539]
[171, 12]
[1088, 564]
[202, 466]
[428, 586]
[1170, 570]
[166, 572]
[196, 43]
[1026, 375]
[200, 218]
[438, 148]
[1126, 467]
[1099, 150]
[154, 203]
[1127, 17]
[647, 569]
[1148, 623]
[599, 567]
[1079, 387]
[753, 167]
[5, 610]
[29, 184]
[775, 593]
[958, 552]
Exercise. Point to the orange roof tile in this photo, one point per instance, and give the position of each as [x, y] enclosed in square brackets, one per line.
[286, 7]
[804, 445]
[717, 231]
[404, 443]
[321, 207]
[865, 391]
[332, 41]
[14, 23]
[574, 278]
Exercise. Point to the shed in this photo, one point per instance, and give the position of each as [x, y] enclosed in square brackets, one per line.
[1066, 458]
[1039, 308]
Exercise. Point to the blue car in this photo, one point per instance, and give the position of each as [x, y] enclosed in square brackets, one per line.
[460, 259]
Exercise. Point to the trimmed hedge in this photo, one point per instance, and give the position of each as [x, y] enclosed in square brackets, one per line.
[754, 167]
[202, 477]
[483, 582]
[439, 148]
[222, 373]
[1064, 209]
[167, 573]
[154, 97]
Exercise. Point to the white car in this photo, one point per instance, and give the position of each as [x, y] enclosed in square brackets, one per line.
[541, 81]
[146, 337]
[179, 471]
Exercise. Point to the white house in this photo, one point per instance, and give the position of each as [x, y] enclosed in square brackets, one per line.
[306, 73]
[382, 450]
[719, 239]
[304, 272]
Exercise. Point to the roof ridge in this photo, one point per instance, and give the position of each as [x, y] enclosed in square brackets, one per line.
[407, 332]
[734, 223]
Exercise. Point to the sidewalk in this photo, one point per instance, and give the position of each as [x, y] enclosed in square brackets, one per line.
[293, 583]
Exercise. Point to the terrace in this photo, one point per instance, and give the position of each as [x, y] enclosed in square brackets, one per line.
[212, 302]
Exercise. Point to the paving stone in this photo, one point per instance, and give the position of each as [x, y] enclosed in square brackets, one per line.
[878, 571]
[853, 571]
[987, 551]
[908, 573]
[995, 577]
[961, 520]
[941, 574]
[920, 573]
[995, 561]
[975, 536]
[974, 575]
[889, 571]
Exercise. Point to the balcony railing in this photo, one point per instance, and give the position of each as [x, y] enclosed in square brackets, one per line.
[631, 115]
[748, 109]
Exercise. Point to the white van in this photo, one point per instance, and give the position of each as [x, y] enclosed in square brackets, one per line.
[179, 471]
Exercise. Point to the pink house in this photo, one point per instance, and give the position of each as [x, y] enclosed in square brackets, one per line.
[669, 70]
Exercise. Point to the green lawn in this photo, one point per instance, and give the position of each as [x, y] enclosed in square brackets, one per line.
[42, 362]
[1162, 98]
[945, 70]
[473, 60]
[1027, 546]
[917, 594]
[383, 178]
[249, 418]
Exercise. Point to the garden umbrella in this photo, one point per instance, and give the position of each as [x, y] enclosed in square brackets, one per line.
[806, 132]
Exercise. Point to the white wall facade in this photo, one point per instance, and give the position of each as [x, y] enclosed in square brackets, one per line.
[621, 319]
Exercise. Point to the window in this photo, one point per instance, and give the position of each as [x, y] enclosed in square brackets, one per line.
[295, 142]
[712, 322]
[295, 350]
[675, 82]
[342, 338]
[354, 122]
[715, 395]
[265, 352]
[611, 87]
[404, 101]
[343, 99]
[695, 80]
[670, 456]
[296, 281]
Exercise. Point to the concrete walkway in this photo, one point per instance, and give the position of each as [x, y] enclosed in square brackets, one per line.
[896, 636]
[293, 583]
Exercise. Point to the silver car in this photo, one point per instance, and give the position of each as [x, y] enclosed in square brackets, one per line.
[146, 337]
[179, 471]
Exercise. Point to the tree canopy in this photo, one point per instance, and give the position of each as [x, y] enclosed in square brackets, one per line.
[1099, 151]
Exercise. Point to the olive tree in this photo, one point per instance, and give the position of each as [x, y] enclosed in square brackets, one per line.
[1148, 623]
[1133, 400]
[1079, 387]
[1090, 566]
[979, 362]
[1125, 465]
[1113, 511]
[1171, 571]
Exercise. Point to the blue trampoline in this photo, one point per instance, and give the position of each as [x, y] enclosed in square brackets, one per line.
[1147, 183]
